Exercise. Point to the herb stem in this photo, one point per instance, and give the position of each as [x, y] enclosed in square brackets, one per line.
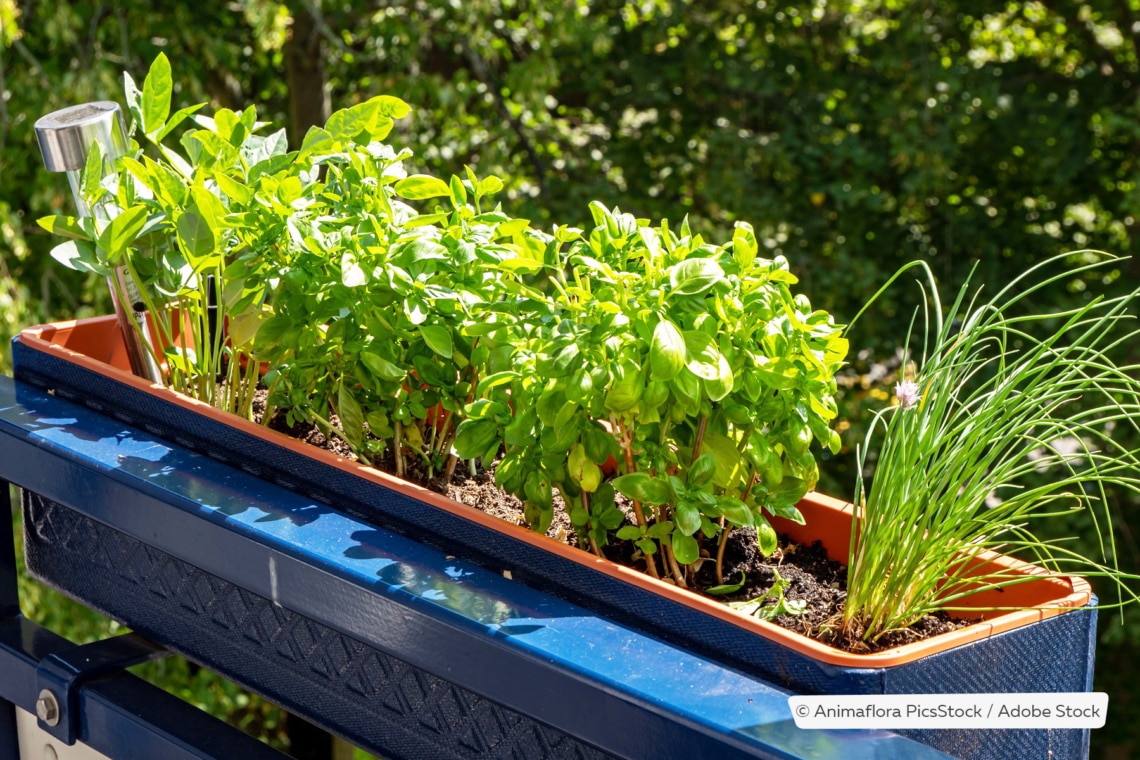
[678, 574]
[397, 451]
[626, 441]
[431, 446]
[724, 531]
[589, 533]
[699, 439]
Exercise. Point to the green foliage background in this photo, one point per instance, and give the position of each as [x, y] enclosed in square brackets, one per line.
[854, 135]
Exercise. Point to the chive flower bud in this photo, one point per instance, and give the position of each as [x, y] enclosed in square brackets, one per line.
[907, 394]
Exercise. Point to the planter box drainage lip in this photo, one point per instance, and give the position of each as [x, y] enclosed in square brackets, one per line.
[431, 609]
[94, 345]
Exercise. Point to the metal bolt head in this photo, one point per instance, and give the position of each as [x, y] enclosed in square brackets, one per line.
[47, 708]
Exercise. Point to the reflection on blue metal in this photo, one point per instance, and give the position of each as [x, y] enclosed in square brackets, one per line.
[518, 646]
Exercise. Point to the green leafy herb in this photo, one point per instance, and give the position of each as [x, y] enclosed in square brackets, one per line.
[1007, 420]
[772, 603]
[404, 314]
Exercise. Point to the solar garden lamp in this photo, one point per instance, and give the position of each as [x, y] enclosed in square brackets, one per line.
[65, 137]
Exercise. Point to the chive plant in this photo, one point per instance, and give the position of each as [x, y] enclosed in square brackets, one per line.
[1012, 416]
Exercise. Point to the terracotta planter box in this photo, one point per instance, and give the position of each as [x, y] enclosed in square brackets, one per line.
[1048, 647]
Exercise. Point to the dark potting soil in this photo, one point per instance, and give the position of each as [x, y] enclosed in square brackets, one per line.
[809, 574]
[476, 490]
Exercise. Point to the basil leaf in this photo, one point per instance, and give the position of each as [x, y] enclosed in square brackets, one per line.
[727, 588]
[351, 417]
[418, 187]
[381, 367]
[474, 437]
[685, 548]
[687, 518]
[765, 537]
[704, 356]
[438, 339]
[156, 91]
[641, 487]
[693, 276]
[666, 351]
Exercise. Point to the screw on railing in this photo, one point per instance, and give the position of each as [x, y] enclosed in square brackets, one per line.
[47, 708]
[65, 138]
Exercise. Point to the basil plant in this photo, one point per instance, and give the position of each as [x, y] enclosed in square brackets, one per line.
[418, 322]
[689, 367]
[306, 272]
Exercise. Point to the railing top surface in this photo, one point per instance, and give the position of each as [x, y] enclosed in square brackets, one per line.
[381, 587]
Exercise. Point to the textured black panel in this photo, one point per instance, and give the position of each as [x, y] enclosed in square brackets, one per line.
[379, 702]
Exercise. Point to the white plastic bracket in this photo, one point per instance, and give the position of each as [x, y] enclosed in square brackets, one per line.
[37, 744]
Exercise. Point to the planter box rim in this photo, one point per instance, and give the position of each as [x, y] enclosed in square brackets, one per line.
[94, 344]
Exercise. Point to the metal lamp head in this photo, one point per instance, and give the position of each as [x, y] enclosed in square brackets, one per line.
[66, 135]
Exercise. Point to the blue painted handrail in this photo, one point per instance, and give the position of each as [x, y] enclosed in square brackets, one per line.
[621, 691]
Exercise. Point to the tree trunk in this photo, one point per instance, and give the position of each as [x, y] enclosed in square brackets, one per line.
[305, 73]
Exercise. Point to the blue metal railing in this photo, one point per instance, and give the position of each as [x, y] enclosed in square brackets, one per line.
[397, 647]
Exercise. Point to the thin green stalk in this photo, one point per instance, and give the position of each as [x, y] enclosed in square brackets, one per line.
[954, 476]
